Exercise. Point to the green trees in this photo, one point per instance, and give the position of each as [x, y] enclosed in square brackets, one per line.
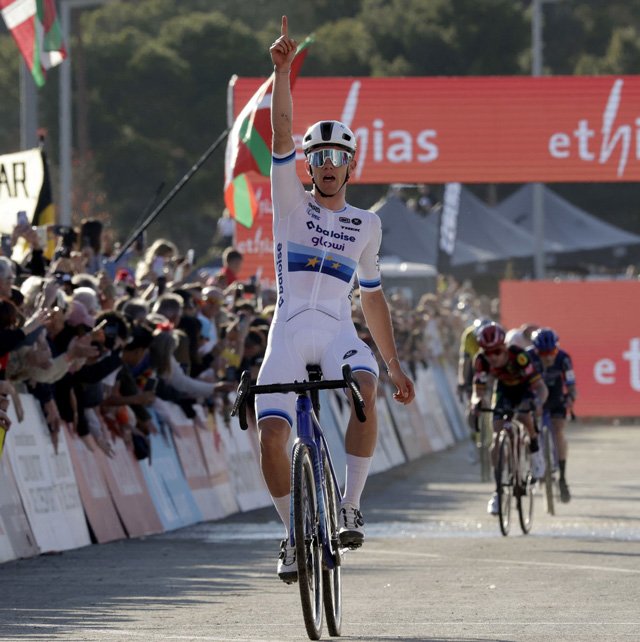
[150, 78]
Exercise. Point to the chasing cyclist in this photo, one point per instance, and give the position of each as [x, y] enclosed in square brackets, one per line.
[320, 242]
[518, 383]
[557, 371]
[469, 347]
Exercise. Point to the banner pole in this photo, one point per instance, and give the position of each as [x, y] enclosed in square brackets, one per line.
[169, 197]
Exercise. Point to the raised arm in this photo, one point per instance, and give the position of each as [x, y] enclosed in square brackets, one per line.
[282, 51]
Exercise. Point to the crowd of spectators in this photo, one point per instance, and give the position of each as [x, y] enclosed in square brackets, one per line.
[100, 344]
[428, 329]
[104, 345]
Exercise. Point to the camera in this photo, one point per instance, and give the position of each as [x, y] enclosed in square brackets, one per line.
[250, 285]
[62, 277]
[6, 245]
[68, 238]
[110, 335]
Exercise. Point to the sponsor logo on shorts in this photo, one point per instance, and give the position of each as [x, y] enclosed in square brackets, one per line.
[348, 354]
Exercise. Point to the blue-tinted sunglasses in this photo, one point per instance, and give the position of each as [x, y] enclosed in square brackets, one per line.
[338, 157]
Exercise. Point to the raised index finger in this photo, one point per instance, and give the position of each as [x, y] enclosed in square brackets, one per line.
[284, 30]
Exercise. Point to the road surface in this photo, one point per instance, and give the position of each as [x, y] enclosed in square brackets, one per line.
[434, 566]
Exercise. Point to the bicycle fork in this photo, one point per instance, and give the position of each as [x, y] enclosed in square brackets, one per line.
[309, 436]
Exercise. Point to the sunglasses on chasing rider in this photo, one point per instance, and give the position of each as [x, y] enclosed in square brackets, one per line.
[548, 353]
[338, 157]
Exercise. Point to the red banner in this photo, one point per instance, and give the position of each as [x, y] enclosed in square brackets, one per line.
[477, 129]
[597, 323]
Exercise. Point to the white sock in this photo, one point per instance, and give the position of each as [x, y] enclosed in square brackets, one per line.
[283, 506]
[357, 473]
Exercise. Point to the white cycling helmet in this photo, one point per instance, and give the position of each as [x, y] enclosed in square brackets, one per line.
[329, 133]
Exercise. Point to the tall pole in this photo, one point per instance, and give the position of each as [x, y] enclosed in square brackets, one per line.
[66, 112]
[65, 119]
[28, 109]
[538, 189]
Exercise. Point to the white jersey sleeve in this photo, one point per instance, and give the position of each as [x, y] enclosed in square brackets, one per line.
[369, 265]
[287, 192]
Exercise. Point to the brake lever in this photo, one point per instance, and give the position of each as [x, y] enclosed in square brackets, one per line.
[240, 406]
[358, 401]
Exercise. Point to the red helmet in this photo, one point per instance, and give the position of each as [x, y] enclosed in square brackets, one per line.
[490, 336]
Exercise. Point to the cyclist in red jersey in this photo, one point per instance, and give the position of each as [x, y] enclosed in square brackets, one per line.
[518, 382]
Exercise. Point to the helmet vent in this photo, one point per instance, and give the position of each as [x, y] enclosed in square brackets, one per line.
[325, 130]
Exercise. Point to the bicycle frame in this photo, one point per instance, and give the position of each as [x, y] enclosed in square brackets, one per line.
[318, 554]
[517, 437]
[310, 433]
[512, 445]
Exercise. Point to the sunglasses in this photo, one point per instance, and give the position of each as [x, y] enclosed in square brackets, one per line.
[494, 352]
[338, 157]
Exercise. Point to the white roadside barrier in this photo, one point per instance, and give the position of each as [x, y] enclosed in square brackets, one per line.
[57, 501]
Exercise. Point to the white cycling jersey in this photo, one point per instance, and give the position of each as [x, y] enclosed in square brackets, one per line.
[317, 254]
[318, 251]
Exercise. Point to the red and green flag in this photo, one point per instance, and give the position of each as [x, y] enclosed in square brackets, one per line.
[35, 27]
[249, 147]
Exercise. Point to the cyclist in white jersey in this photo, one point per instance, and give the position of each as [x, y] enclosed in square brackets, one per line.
[320, 244]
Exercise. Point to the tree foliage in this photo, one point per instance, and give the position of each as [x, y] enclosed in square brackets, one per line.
[156, 75]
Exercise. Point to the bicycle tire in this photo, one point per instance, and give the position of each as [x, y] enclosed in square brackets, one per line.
[308, 550]
[548, 473]
[486, 430]
[332, 578]
[524, 496]
[504, 481]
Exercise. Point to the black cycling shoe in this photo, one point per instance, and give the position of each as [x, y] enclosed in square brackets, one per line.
[565, 495]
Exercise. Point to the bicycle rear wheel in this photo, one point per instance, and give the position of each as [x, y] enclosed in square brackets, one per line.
[504, 481]
[548, 473]
[332, 578]
[524, 495]
[308, 550]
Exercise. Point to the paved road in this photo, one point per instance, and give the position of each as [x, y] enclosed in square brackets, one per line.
[434, 567]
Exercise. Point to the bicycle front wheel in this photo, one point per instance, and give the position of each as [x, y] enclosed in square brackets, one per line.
[486, 430]
[504, 481]
[308, 550]
[332, 578]
[525, 489]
